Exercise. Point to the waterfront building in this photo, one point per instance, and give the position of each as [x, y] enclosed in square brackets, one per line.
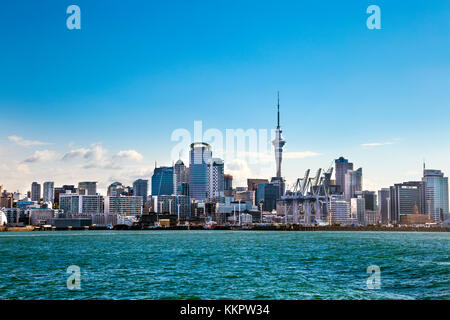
[358, 209]
[163, 181]
[216, 180]
[81, 204]
[340, 211]
[200, 158]
[173, 204]
[384, 206]
[36, 192]
[26, 203]
[181, 176]
[436, 194]
[341, 167]
[3, 219]
[88, 188]
[245, 196]
[404, 197]
[13, 215]
[37, 216]
[49, 191]
[140, 189]
[268, 193]
[123, 205]
[371, 217]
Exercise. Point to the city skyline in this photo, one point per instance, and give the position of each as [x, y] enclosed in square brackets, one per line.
[377, 97]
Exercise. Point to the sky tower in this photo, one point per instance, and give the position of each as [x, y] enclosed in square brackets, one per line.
[278, 143]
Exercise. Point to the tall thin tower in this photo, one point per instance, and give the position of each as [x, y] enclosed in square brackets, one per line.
[278, 142]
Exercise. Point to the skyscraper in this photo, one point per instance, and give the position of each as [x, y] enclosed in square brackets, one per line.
[404, 197]
[35, 192]
[383, 205]
[358, 209]
[181, 176]
[268, 193]
[140, 189]
[341, 167]
[163, 181]
[200, 157]
[116, 189]
[49, 188]
[216, 180]
[88, 188]
[353, 183]
[370, 198]
[436, 194]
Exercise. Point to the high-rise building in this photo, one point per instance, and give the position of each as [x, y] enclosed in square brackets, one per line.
[80, 204]
[358, 209]
[6, 200]
[383, 205]
[163, 181]
[341, 167]
[35, 192]
[140, 189]
[49, 192]
[200, 157]
[252, 184]
[228, 185]
[116, 189]
[88, 188]
[123, 205]
[268, 193]
[353, 183]
[340, 211]
[216, 180]
[181, 176]
[436, 194]
[370, 198]
[404, 197]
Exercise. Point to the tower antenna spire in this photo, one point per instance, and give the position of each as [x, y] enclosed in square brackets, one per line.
[278, 107]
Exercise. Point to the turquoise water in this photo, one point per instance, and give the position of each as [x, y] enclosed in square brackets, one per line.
[224, 265]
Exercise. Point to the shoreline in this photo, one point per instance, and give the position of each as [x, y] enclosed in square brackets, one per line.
[237, 228]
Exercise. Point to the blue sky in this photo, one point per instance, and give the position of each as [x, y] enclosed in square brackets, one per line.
[138, 70]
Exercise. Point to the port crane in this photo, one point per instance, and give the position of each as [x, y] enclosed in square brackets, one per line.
[308, 202]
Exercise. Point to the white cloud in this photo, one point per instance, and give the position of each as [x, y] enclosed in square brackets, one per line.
[129, 155]
[240, 171]
[42, 155]
[72, 154]
[376, 144]
[95, 154]
[25, 143]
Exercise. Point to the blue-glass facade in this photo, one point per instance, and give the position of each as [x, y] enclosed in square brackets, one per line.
[163, 181]
[268, 192]
[140, 189]
[200, 157]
